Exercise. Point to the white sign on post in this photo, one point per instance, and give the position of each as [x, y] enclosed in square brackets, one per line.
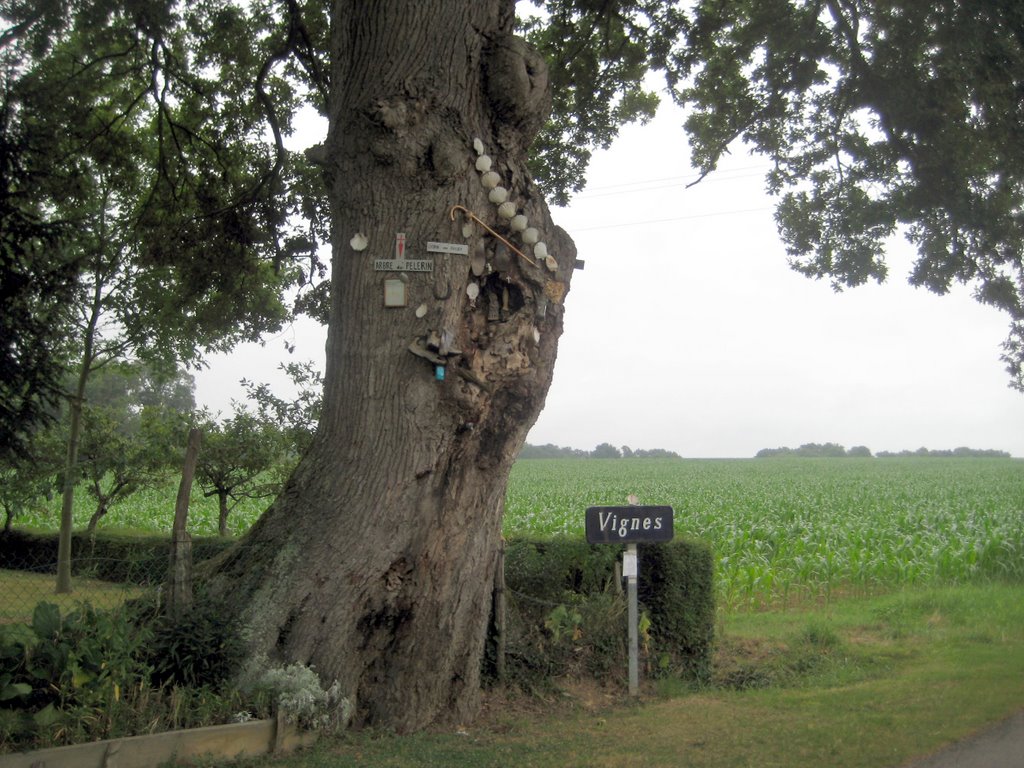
[629, 560]
[629, 525]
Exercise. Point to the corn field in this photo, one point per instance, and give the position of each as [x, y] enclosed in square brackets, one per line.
[796, 529]
[783, 530]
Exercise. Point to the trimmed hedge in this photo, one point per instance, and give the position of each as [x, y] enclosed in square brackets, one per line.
[122, 558]
[565, 614]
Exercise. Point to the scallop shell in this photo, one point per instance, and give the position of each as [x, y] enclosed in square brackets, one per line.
[490, 180]
[507, 209]
[478, 146]
[421, 310]
[518, 223]
[483, 163]
[551, 263]
[467, 230]
[498, 195]
[531, 235]
[472, 290]
[358, 242]
[540, 250]
[477, 264]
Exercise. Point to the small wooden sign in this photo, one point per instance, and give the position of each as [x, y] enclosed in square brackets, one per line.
[624, 525]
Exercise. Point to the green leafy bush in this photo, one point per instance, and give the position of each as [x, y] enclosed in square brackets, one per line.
[122, 558]
[565, 614]
[199, 648]
[67, 676]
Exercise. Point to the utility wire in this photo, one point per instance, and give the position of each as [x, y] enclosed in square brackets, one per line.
[672, 219]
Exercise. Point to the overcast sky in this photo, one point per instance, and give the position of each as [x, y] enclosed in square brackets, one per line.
[688, 331]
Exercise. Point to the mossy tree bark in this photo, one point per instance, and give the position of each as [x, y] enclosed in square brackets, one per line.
[375, 565]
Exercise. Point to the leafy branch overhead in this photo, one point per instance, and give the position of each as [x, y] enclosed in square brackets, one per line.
[879, 118]
[599, 54]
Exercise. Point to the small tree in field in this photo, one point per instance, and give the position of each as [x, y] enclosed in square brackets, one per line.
[133, 422]
[124, 452]
[236, 460]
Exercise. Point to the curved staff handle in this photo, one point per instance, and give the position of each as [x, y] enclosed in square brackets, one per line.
[478, 220]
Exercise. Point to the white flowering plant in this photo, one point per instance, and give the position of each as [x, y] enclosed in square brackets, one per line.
[298, 693]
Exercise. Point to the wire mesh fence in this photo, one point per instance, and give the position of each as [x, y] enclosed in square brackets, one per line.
[23, 588]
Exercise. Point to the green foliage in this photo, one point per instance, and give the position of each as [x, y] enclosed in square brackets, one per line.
[815, 450]
[198, 649]
[149, 130]
[602, 451]
[235, 459]
[68, 674]
[297, 418]
[598, 56]
[27, 479]
[606, 451]
[567, 616]
[678, 590]
[115, 557]
[87, 675]
[877, 118]
[36, 282]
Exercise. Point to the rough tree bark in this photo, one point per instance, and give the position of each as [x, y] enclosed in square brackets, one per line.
[375, 565]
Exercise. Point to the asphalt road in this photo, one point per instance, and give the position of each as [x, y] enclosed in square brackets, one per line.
[999, 746]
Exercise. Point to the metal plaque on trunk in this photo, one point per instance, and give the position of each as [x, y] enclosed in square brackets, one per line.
[624, 525]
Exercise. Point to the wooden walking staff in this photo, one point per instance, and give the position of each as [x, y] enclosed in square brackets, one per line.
[478, 220]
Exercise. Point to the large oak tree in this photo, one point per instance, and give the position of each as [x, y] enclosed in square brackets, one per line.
[374, 564]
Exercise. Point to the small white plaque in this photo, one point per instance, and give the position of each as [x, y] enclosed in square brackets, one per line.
[459, 248]
[629, 569]
[394, 293]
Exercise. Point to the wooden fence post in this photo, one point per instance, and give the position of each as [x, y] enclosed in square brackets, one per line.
[180, 587]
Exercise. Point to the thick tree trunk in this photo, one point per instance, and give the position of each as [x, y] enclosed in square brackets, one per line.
[376, 563]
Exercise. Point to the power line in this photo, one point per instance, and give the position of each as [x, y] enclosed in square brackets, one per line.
[644, 185]
[735, 212]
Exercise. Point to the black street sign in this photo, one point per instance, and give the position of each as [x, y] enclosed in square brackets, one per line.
[624, 525]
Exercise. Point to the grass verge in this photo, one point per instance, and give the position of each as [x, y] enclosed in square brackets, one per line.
[860, 683]
[21, 591]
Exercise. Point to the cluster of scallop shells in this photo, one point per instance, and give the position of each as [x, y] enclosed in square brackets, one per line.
[517, 222]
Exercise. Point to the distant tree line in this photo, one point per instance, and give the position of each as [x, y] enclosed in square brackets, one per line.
[834, 450]
[602, 451]
[977, 453]
[817, 450]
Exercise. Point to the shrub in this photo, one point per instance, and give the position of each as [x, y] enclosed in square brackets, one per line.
[566, 615]
[296, 691]
[66, 677]
[200, 648]
[122, 558]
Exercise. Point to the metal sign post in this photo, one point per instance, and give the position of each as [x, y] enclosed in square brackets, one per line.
[629, 525]
[630, 572]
